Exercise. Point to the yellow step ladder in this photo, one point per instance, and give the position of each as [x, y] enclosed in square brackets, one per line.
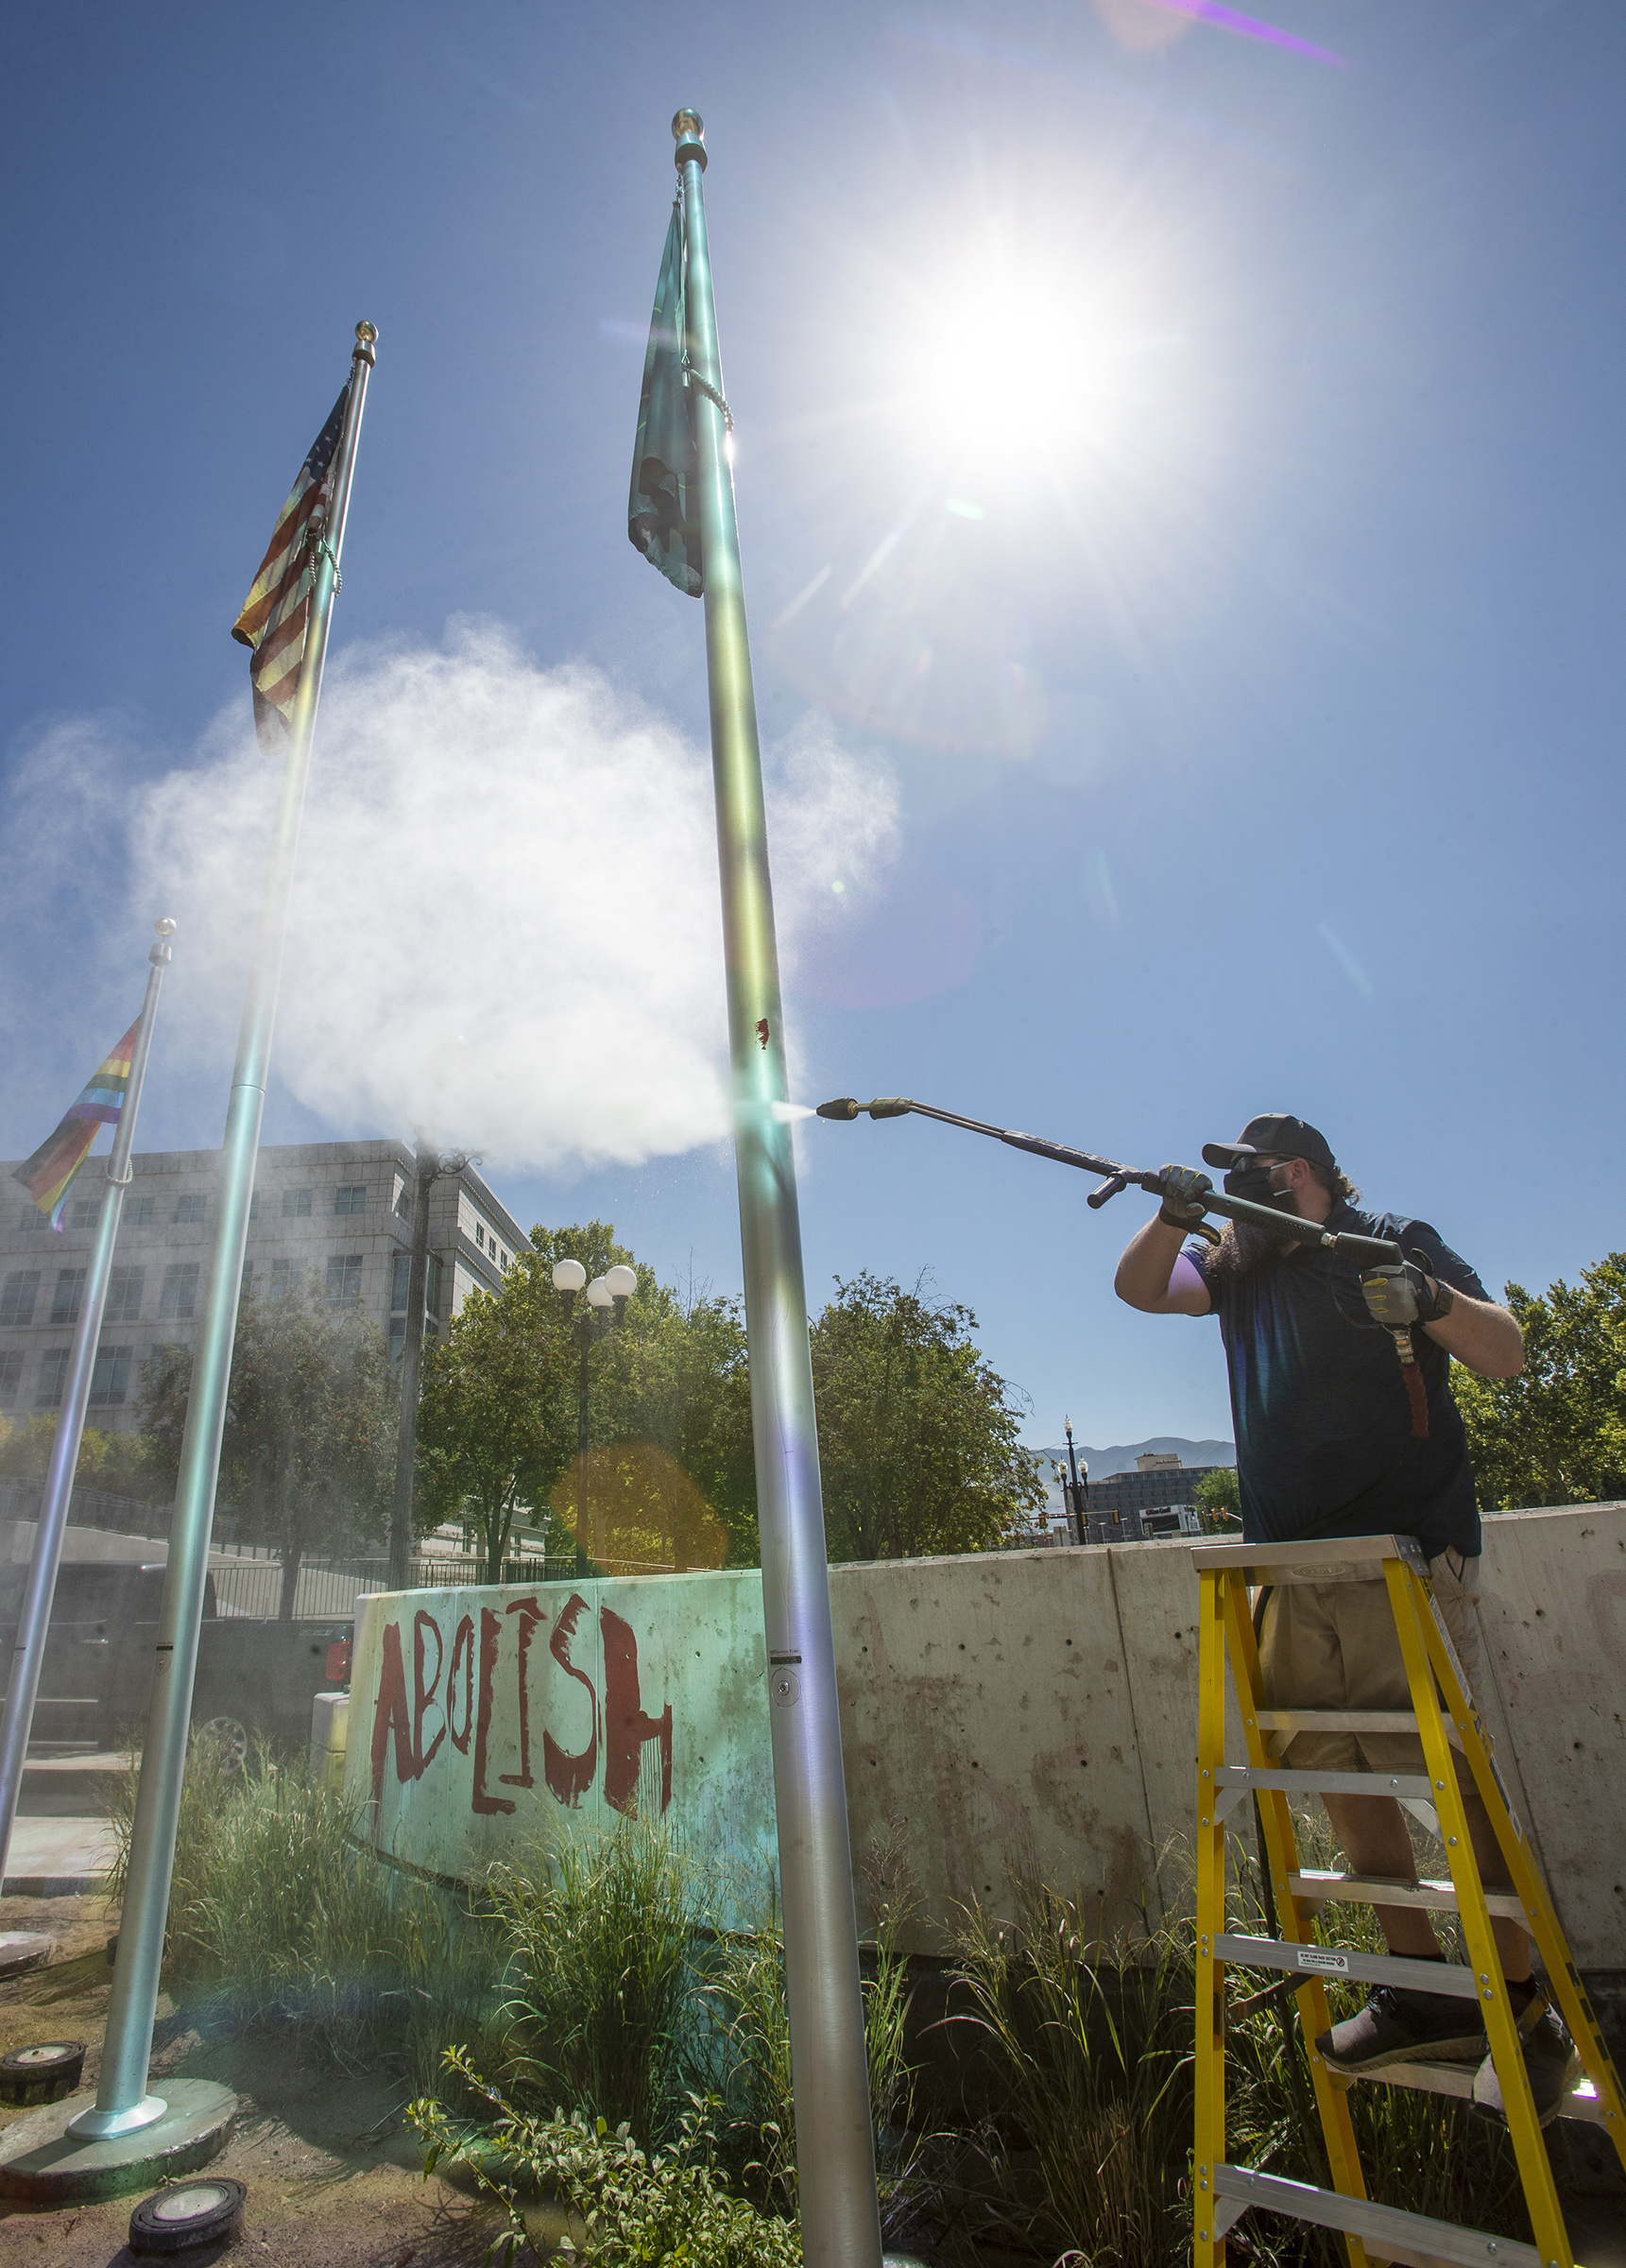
[1443, 1714]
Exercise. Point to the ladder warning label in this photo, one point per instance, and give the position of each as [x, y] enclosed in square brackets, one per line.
[1324, 1963]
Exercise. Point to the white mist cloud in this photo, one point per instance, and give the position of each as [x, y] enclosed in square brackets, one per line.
[506, 925]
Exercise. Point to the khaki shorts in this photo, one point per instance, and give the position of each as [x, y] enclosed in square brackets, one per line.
[1333, 1646]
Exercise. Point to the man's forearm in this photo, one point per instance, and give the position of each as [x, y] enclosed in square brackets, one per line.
[1480, 1334]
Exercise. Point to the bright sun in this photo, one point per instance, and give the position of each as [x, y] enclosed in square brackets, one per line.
[1019, 364]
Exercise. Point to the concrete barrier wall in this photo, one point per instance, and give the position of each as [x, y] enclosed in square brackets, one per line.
[1000, 1712]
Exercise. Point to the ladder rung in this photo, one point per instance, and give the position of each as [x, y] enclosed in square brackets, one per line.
[1457, 2079]
[1345, 1720]
[1233, 1781]
[1390, 2233]
[1379, 1890]
[1345, 1963]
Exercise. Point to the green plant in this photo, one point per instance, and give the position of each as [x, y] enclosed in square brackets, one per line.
[601, 1931]
[633, 2209]
[1091, 2058]
[275, 1913]
[745, 1997]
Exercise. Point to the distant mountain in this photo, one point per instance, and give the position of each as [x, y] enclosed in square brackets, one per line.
[1122, 1456]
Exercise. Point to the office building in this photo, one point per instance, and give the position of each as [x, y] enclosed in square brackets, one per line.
[329, 1218]
[1159, 1498]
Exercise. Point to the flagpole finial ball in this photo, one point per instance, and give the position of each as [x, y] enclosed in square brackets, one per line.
[164, 928]
[689, 126]
[366, 333]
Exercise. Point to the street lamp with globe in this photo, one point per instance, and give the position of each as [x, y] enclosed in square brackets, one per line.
[604, 1310]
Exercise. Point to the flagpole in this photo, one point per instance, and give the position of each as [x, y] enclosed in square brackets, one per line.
[41, 1588]
[122, 2107]
[835, 2143]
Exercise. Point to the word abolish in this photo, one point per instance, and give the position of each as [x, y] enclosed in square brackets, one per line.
[418, 1718]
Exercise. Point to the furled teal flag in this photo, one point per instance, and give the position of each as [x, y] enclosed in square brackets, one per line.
[661, 512]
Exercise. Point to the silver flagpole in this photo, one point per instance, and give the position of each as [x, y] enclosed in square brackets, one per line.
[835, 2144]
[31, 1632]
[123, 2106]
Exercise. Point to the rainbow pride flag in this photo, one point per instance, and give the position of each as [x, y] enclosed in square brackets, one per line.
[49, 1173]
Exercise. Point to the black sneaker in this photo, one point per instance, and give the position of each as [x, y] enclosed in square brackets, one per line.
[1399, 2026]
[1550, 2061]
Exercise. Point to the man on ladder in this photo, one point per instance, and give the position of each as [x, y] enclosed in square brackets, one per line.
[1336, 1437]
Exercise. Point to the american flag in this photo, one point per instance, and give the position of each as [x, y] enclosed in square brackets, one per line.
[272, 623]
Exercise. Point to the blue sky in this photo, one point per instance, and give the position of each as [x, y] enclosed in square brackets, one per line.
[1199, 469]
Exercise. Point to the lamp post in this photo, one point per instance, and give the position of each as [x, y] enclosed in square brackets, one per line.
[604, 1310]
[429, 1166]
[1076, 1492]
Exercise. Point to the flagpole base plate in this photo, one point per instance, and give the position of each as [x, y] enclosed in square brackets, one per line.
[42, 2162]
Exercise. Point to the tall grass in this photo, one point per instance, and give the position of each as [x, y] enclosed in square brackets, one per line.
[1090, 2049]
[594, 1978]
[603, 1936]
[751, 2069]
[275, 1915]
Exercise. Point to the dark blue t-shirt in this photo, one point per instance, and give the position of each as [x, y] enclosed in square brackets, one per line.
[1320, 1405]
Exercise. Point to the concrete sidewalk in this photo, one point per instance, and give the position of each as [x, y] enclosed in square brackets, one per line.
[58, 1858]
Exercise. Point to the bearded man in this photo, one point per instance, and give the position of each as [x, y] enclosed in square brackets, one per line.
[1337, 1436]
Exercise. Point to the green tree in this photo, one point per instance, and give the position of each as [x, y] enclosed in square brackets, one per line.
[669, 1478]
[307, 1455]
[1557, 1435]
[917, 1434]
[1219, 1500]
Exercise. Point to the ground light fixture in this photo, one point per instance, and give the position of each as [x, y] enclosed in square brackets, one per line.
[604, 1310]
[203, 2211]
[41, 2074]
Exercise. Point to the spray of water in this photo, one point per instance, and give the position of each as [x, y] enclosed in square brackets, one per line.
[505, 927]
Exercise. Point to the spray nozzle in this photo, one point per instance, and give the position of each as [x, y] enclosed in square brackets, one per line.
[848, 1105]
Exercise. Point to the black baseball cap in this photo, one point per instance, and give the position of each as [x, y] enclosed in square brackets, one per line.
[1272, 1134]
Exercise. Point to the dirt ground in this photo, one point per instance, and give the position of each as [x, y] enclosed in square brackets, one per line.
[332, 2172]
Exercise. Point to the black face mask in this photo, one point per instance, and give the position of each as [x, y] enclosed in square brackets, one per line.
[1254, 1183]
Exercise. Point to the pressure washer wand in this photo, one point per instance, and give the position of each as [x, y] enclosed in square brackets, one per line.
[1371, 1250]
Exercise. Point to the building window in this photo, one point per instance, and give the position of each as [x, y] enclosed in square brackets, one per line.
[191, 1208]
[53, 1373]
[282, 1278]
[400, 1284]
[139, 1212]
[344, 1278]
[351, 1198]
[179, 1298]
[255, 1206]
[402, 1200]
[69, 1290]
[17, 1298]
[110, 1378]
[296, 1204]
[10, 1381]
[87, 1212]
[432, 1291]
[30, 1217]
[502, 1262]
[480, 1234]
[124, 1295]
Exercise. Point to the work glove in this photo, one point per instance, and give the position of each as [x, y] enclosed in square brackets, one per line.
[1399, 1296]
[1184, 1190]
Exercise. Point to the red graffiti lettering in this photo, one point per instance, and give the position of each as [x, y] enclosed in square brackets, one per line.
[462, 1651]
[423, 1688]
[626, 1727]
[390, 1714]
[569, 1777]
[490, 1632]
[530, 1614]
